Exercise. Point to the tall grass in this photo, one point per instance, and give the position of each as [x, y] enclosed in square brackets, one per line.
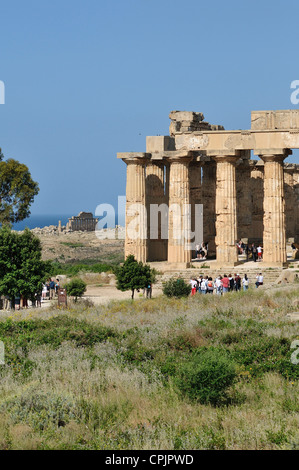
[107, 377]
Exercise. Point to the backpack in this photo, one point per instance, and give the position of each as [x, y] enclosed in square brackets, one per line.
[210, 284]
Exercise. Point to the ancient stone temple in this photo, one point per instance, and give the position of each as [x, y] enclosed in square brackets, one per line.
[84, 221]
[254, 199]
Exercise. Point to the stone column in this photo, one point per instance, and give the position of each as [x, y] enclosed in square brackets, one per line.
[157, 222]
[208, 197]
[274, 236]
[136, 221]
[179, 208]
[226, 209]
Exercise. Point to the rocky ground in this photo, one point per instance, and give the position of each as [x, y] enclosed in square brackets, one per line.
[72, 247]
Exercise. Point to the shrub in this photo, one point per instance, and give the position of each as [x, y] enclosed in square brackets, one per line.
[176, 288]
[76, 288]
[206, 376]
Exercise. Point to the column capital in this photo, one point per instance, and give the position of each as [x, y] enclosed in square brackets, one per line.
[231, 156]
[180, 156]
[138, 158]
[273, 155]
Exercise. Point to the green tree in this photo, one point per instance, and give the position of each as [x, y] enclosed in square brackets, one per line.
[17, 190]
[76, 288]
[22, 270]
[133, 275]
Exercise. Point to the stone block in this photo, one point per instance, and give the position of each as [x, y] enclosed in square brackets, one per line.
[161, 143]
[271, 120]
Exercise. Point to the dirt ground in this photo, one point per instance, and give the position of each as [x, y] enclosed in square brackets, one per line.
[80, 246]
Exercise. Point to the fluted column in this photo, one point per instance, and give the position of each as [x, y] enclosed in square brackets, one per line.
[226, 210]
[179, 222]
[274, 236]
[157, 222]
[136, 220]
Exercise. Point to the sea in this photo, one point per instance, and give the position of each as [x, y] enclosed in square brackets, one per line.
[41, 221]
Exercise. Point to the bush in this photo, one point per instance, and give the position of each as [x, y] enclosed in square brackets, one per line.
[76, 288]
[206, 376]
[176, 288]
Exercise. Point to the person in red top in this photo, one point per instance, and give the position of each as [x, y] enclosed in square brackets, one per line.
[225, 284]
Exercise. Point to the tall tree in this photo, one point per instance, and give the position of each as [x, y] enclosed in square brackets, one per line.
[133, 275]
[22, 270]
[17, 190]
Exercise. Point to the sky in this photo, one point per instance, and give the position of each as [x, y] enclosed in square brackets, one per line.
[87, 79]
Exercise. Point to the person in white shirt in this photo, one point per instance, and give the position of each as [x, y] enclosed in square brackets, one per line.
[259, 280]
[259, 253]
[203, 286]
[245, 282]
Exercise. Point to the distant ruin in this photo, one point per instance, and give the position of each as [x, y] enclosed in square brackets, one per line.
[84, 221]
[242, 198]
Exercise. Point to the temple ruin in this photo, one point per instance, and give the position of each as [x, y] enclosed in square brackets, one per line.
[255, 199]
[84, 221]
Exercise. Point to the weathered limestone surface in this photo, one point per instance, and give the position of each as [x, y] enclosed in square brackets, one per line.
[136, 221]
[274, 235]
[179, 221]
[242, 198]
[84, 221]
[226, 209]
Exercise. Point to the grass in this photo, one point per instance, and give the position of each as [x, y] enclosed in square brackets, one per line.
[108, 377]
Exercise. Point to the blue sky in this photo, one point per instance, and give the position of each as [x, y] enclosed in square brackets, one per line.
[87, 79]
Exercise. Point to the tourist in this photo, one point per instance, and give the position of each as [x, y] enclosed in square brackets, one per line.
[225, 284]
[199, 281]
[17, 302]
[52, 289]
[259, 252]
[44, 292]
[259, 280]
[197, 250]
[193, 283]
[149, 291]
[38, 299]
[210, 286]
[254, 252]
[57, 285]
[237, 282]
[245, 282]
[231, 283]
[218, 285]
[203, 286]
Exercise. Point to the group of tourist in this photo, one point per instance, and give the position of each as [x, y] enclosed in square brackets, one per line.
[250, 250]
[50, 289]
[221, 285]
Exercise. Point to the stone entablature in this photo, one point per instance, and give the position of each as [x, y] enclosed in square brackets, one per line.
[84, 221]
[242, 198]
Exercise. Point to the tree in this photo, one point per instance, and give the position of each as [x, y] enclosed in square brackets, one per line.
[22, 270]
[133, 275]
[176, 288]
[17, 191]
[76, 288]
